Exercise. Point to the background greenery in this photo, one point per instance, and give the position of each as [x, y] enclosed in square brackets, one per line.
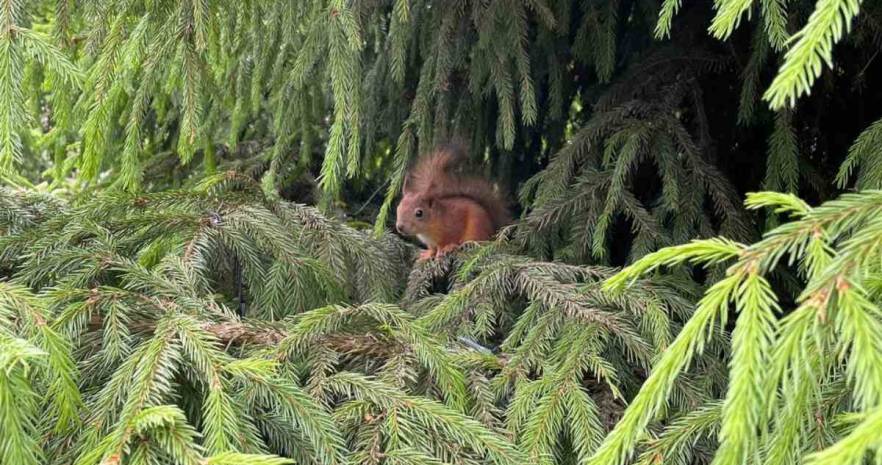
[196, 266]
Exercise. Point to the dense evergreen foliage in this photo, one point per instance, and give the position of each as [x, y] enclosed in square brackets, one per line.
[196, 265]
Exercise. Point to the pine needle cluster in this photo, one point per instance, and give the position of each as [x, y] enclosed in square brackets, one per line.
[352, 89]
[651, 116]
[119, 310]
[215, 323]
[804, 385]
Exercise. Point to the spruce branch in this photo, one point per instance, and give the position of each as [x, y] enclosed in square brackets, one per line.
[812, 48]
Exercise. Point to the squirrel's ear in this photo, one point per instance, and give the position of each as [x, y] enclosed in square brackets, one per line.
[405, 186]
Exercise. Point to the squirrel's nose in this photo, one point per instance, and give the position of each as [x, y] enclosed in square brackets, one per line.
[399, 227]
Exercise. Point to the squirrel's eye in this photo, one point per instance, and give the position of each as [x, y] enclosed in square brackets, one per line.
[418, 213]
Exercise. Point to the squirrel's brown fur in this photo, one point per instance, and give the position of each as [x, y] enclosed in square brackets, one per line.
[442, 174]
[443, 205]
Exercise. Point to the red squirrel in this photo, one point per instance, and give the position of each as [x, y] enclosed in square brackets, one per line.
[444, 207]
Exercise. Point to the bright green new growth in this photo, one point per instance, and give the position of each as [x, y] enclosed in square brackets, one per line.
[836, 249]
[811, 48]
[808, 50]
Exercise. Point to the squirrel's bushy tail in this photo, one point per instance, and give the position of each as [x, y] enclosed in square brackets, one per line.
[443, 174]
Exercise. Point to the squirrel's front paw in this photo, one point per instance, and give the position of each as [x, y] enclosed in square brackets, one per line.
[446, 249]
[426, 255]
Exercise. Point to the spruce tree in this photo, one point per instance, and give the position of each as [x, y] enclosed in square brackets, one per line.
[196, 265]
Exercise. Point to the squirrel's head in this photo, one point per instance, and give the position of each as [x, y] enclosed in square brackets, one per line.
[414, 215]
